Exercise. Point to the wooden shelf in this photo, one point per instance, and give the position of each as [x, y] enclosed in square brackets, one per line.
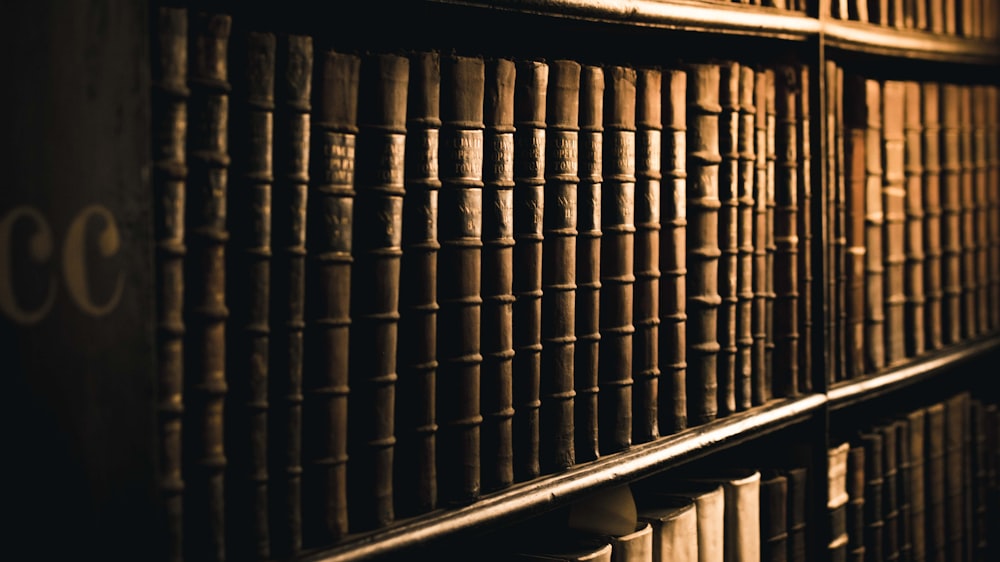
[873, 39]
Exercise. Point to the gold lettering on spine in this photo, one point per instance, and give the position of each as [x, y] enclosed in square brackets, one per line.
[564, 152]
[40, 248]
[502, 167]
[464, 151]
[338, 148]
[75, 262]
[623, 149]
[391, 153]
[531, 155]
[426, 154]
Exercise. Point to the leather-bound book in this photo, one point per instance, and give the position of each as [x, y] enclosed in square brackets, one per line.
[588, 262]
[703, 241]
[742, 527]
[935, 16]
[951, 213]
[981, 207]
[836, 277]
[874, 495]
[322, 459]
[744, 238]
[710, 510]
[934, 489]
[556, 390]
[874, 334]
[205, 309]
[904, 476]
[673, 248]
[993, 200]
[415, 484]
[969, 275]
[460, 230]
[729, 123]
[496, 377]
[980, 505]
[786, 257]
[674, 523]
[890, 491]
[894, 219]
[168, 105]
[760, 379]
[379, 183]
[931, 186]
[530, 89]
[837, 502]
[770, 243]
[804, 224]
[949, 17]
[797, 511]
[248, 292]
[856, 503]
[617, 255]
[646, 303]
[915, 433]
[913, 271]
[956, 519]
[773, 518]
[855, 111]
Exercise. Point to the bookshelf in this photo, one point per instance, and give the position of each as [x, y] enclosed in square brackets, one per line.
[173, 435]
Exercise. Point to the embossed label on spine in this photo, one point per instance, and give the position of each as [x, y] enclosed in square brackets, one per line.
[647, 206]
[623, 211]
[589, 201]
[297, 156]
[337, 214]
[420, 219]
[621, 147]
[422, 154]
[462, 155]
[530, 161]
[464, 213]
[499, 204]
[260, 132]
[591, 148]
[648, 151]
[338, 158]
[388, 150]
[528, 213]
[501, 168]
[563, 153]
[564, 215]
[386, 215]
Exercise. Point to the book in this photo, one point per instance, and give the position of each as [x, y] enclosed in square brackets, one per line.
[951, 213]
[804, 224]
[248, 292]
[770, 243]
[703, 252]
[993, 201]
[729, 123]
[646, 296]
[875, 357]
[205, 309]
[530, 89]
[168, 108]
[934, 485]
[904, 476]
[856, 257]
[970, 279]
[894, 219]
[774, 518]
[931, 188]
[836, 266]
[636, 546]
[617, 254]
[980, 503]
[935, 16]
[856, 503]
[588, 262]
[674, 524]
[497, 377]
[760, 387]
[745, 240]
[379, 185]
[710, 509]
[913, 273]
[890, 491]
[559, 266]
[837, 501]
[673, 248]
[460, 230]
[415, 482]
[875, 504]
[955, 481]
[742, 511]
[314, 475]
[916, 433]
[981, 206]
[798, 493]
[786, 255]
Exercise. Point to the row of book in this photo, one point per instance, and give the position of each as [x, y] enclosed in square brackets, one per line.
[976, 19]
[389, 282]
[915, 217]
[920, 486]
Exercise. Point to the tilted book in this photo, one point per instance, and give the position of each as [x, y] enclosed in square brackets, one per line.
[837, 501]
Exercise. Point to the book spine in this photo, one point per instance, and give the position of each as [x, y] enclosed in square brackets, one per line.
[556, 391]
[729, 123]
[760, 389]
[617, 265]
[770, 243]
[248, 345]
[874, 496]
[379, 177]
[951, 214]
[798, 506]
[786, 256]
[970, 279]
[981, 506]
[745, 243]
[588, 262]
[805, 230]
[646, 311]
[169, 108]
[205, 282]
[498, 274]
[916, 422]
[894, 219]
[841, 228]
[459, 292]
[703, 252]
[955, 519]
[935, 483]
[980, 121]
[529, 168]
[673, 243]
[415, 483]
[904, 476]
[931, 190]
[993, 199]
[913, 273]
[774, 519]
[935, 16]
[293, 88]
[890, 492]
[856, 503]
[857, 251]
[321, 499]
[874, 231]
[837, 502]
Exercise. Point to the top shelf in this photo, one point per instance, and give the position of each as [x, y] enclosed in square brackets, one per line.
[873, 39]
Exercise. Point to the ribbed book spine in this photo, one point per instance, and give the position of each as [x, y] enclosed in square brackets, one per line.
[981, 206]
[205, 287]
[904, 475]
[673, 245]
[498, 273]
[980, 505]
[955, 518]
[913, 273]
[874, 500]
[169, 68]
[556, 390]
[415, 483]
[804, 223]
[588, 262]
[322, 500]
[760, 387]
[969, 276]
[894, 219]
[890, 492]
[841, 227]
[745, 243]
[379, 176]
[293, 92]
[931, 188]
[774, 518]
[646, 311]
[617, 260]
[530, 90]
[459, 290]
[916, 422]
[856, 504]
[856, 257]
[951, 214]
[770, 243]
[837, 502]
[935, 483]
[993, 199]
[874, 231]
[729, 123]
[703, 253]
[249, 289]
[798, 507]
[786, 267]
